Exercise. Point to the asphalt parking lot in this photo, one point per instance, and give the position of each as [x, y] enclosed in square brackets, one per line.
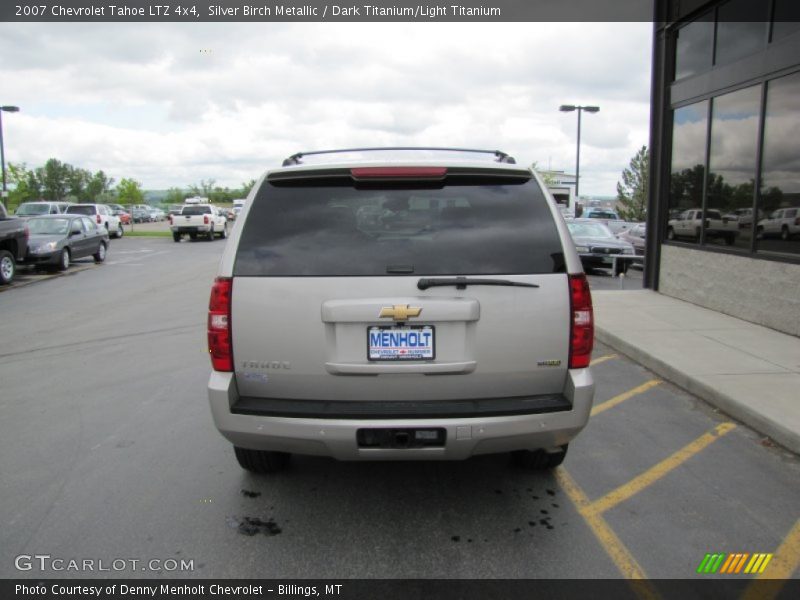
[107, 450]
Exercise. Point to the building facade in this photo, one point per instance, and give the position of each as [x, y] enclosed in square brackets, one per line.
[724, 218]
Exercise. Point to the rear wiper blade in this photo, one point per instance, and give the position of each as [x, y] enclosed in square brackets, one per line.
[461, 283]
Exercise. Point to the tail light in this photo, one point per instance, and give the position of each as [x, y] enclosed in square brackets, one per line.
[582, 324]
[205, 219]
[99, 220]
[219, 325]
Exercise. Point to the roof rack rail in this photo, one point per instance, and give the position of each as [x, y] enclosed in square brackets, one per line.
[500, 156]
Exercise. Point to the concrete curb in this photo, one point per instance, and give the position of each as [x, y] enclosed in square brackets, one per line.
[728, 404]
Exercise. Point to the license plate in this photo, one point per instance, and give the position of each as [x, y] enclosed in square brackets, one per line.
[401, 343]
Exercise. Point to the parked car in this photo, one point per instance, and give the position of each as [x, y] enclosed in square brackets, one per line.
[688, 225]
[175, 209]
[199, 219]
[784, 222]
[119, 211]
[459, 323]
[607, 217]
[101, 214]
[156, 214]
[29, 209]
[140, 215]
[56, 240]
[598, 247]
[744, 217]
[635, 236]
[13, 244]
[238, 205]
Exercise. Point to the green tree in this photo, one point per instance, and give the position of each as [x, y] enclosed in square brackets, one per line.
[22, 184]
[203, 189]
[175, 196]
[632, 190]
[246, 186]
[52, 179]
[77, 181]
[98, 186]
[129, 191]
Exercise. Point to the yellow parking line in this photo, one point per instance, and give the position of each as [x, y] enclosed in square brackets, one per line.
[624, 396]
[785, 561]
[602, 359]
[655, 473]
[613, 546]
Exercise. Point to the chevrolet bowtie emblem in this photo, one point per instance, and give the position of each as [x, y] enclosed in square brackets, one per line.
[399, 312]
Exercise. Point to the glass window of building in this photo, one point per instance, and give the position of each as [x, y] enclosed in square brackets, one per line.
[693, 52]
[786, 18]
[779, 203]
[741, 29]
[689, 131]
[732, 167]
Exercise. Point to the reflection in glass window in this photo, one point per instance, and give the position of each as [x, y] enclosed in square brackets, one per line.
[693, 50]
[741, 29]
[786, 18]
[779, 217]
[688, 159]
[732, 166]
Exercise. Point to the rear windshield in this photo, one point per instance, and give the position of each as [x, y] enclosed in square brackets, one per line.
[196, 210]
[81, 210]
[331, 227]
[33, 209]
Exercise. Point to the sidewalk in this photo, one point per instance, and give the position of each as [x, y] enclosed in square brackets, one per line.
[750, 372]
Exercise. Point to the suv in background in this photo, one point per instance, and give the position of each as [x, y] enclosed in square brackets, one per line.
[102, 215]
[34, 209]
[407, 304]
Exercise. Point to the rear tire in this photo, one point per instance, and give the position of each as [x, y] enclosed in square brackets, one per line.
[120, 231]
[8, 267]
[261, 461]
[176, 237]
[64, 260]
[785, 233]
[211, 234]
[100, 255]
[538, 460]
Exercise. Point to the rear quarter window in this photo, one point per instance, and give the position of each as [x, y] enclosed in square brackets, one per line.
[81, 210]
[333, 227]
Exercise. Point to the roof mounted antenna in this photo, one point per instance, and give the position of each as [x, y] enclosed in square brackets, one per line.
[295, 159]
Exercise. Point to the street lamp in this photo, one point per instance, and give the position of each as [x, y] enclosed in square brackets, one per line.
[2, 153]
[570, 108]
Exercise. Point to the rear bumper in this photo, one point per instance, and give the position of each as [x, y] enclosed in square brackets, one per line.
[190, 228]
[336, 437]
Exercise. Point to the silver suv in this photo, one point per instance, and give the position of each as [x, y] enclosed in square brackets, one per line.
[396, 304]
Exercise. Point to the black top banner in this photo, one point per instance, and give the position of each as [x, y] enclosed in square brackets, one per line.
[241, 11]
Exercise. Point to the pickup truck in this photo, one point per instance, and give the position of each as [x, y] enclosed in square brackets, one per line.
[13, 244]
[199, 219]
[688, 225]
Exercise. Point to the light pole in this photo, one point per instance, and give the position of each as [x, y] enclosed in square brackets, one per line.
[570, 108]
[2, 153]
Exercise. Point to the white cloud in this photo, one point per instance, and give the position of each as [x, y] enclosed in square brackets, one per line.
[170, 104]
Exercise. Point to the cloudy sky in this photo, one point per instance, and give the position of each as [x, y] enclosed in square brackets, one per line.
[171, 104]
